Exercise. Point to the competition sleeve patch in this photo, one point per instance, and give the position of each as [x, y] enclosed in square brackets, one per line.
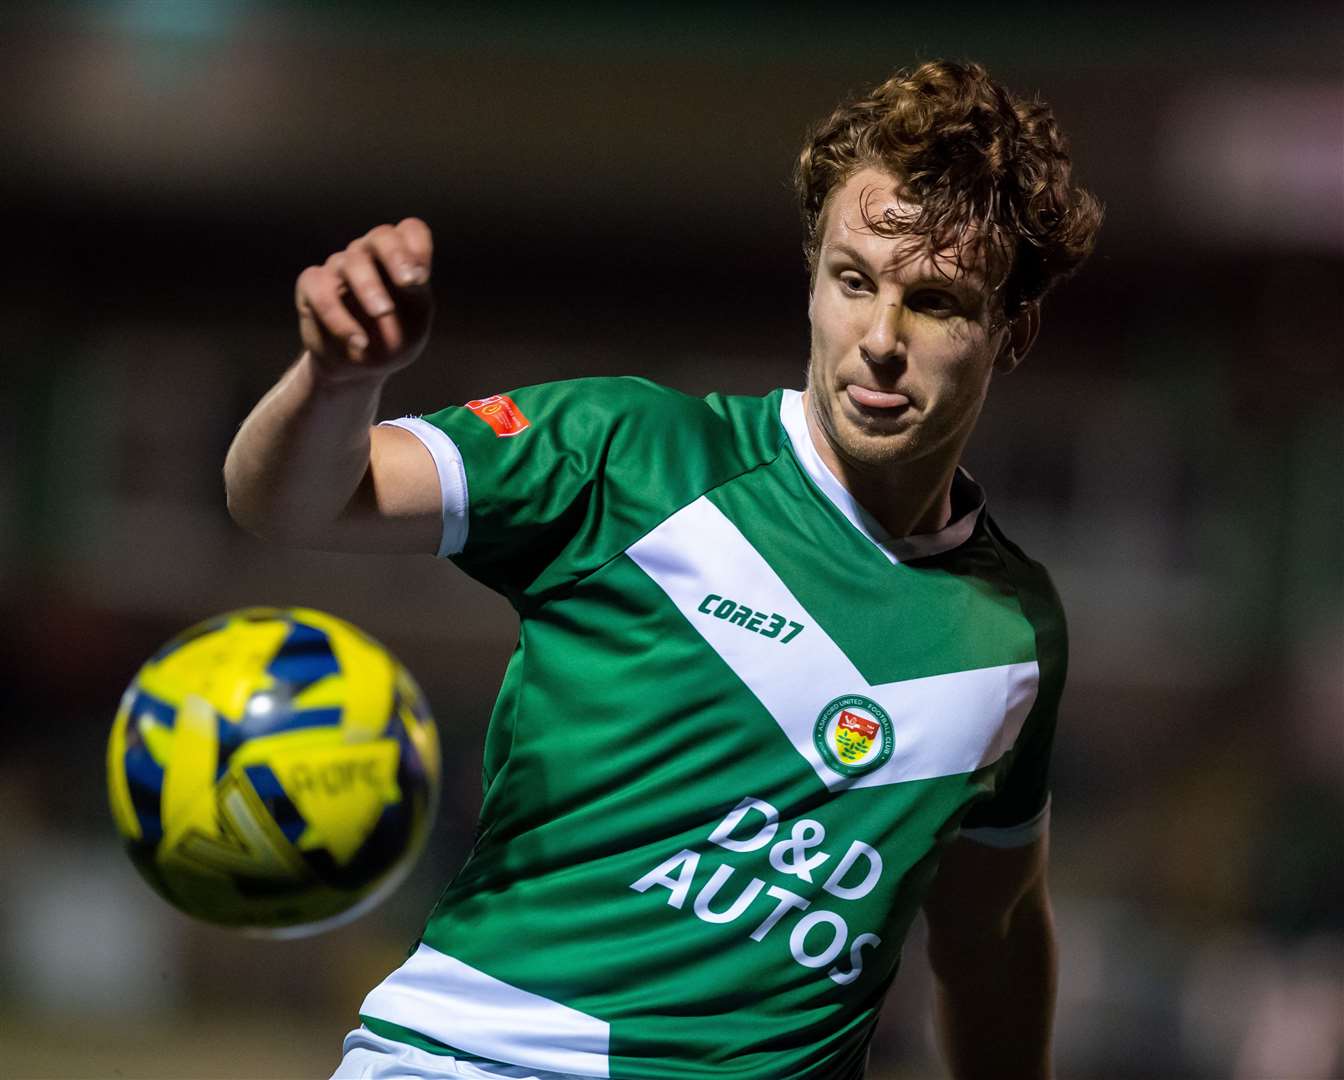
[501, 413]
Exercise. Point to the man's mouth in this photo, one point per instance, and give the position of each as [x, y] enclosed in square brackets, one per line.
[868, 398]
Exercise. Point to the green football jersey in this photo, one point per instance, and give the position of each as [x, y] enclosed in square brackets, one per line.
[738, 725]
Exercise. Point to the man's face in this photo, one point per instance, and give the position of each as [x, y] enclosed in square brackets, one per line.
[902, 342]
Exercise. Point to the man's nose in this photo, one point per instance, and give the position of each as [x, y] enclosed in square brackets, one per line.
[884, 342]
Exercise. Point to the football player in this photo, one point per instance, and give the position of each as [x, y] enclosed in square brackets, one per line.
[781, 680]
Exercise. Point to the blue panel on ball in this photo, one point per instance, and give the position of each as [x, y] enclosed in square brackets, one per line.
[277, 716]
[278, 804]
[144, 775]
[411, 774]
[304, 658]
[160, 712]
[230, 737]
[395, 728]
[142, 771]
[151, 825]
[303, 718]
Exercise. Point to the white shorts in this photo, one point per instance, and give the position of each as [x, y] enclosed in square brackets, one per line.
[371, 1057]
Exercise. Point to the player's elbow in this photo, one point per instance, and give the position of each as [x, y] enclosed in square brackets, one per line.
[265, 523]
[242, 510]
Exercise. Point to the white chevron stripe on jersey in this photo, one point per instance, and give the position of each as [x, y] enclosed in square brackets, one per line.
[439, 996]
[943, 725]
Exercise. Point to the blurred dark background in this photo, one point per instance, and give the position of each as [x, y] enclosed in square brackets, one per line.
[609, 193]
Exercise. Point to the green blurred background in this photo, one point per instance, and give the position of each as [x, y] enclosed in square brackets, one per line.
[609, 192]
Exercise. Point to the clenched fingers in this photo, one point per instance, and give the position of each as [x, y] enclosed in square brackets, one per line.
[370, 303]
[405, 251]
[323, 315]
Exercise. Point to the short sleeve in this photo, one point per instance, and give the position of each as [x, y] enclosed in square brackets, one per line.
[1018, 813]
[542, 484]
[452, 480]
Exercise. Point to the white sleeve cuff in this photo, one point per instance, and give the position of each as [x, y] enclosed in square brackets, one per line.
[452, 481]
[1013, 836]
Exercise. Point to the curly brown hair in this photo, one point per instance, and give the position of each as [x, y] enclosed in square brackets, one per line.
[977, 161]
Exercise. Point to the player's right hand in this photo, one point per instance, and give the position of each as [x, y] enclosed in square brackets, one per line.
[366, 311]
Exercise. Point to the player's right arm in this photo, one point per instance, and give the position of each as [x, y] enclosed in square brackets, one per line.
[308, 468]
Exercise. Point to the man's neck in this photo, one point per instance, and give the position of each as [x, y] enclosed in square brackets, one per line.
[907, 499]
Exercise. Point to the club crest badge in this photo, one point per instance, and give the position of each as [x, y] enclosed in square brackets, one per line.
[853, 734]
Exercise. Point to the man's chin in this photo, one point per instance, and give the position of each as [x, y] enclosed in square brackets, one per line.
[871, 447]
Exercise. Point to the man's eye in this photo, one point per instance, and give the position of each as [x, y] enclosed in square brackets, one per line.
[936, 303]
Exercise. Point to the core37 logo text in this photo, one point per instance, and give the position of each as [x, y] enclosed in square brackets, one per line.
[766, 623]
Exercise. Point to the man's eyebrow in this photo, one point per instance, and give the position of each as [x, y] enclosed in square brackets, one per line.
[841, 248]
[968, 276]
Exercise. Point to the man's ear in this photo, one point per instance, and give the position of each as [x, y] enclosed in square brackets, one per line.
[1021, 336]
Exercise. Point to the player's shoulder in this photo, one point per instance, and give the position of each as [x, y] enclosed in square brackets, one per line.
[597, 393]
[615, 393]
[1011, 552]
[637, 408]
[1029, 578]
